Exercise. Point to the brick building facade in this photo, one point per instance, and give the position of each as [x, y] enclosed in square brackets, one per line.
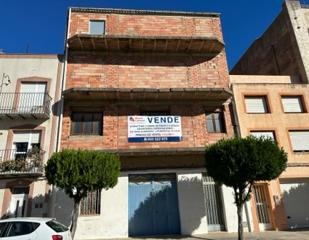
[122, 63]
[283, 48]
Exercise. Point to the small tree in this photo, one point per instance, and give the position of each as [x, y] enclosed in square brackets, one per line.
[79, 171]
[240, 162]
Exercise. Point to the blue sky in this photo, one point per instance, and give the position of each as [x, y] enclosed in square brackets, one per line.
[37, 26]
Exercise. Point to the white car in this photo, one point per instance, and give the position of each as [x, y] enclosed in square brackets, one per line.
[33, 229]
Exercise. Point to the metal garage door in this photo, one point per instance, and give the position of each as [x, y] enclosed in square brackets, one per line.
[153, 205]
[296, 199]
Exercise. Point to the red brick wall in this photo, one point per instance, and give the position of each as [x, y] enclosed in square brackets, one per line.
[115, 129]
[104, 70]
[148, 25]
[145, 71]
[154, 71]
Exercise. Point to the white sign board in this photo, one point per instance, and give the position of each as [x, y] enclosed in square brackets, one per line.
[154, 128]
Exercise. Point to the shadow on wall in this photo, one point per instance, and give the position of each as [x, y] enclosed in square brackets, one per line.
[42, 206]
[63, 207]
[168, 60]
[158, 211]
[193, 202]
[31, 207]
[296, 200]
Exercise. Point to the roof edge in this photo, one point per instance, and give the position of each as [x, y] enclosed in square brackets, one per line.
[30, 55]
[143, 12]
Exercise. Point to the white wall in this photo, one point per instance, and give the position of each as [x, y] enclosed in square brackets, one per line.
[231, 219]
[296, 199]
[39, 205]
[113, 220]
[191, 203]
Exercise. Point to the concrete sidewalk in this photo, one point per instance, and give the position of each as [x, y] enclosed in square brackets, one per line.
[270, 235]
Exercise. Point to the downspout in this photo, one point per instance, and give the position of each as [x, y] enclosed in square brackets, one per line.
[238, 134]
[60, 107]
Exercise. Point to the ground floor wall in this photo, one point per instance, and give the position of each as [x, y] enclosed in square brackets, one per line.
[282, 203]
[25, 197]
[113, 220]
[296, 198]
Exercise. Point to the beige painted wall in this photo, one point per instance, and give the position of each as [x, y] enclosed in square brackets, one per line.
[27, 66]
[276, 120]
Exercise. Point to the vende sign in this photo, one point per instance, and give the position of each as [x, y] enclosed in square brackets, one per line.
[154, 128]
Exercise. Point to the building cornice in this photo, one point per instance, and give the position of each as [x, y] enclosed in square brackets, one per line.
[143, 12]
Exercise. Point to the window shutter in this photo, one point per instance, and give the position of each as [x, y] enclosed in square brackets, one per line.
[210, 123]
[299, 140]
[21, 137]
[266, 134]
[292, 104]
[30, 137]
[255, 104]
[35, 137]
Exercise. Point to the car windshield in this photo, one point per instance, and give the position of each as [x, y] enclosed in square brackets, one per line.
[56, 226]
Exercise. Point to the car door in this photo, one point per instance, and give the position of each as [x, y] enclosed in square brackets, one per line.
[21, 231]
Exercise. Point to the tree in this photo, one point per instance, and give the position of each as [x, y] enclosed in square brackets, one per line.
[78, 172]
[240, 162]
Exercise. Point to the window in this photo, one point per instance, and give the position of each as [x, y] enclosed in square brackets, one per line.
[31, 98]
[91, 205]
[24, 142]
[97, 27]
[3, 227]
[292, 104]
[215, 122]
[299, 140]
[21, 228]
[266, 134]
[57, 227]
[256, 104]
[86, 124]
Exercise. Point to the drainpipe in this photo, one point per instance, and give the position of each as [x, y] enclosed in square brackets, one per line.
[238, 134]
[60, 108]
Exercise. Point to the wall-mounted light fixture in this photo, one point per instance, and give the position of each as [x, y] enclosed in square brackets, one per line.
[5, 81]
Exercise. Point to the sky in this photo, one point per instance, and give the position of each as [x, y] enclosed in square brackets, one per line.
[37, 26]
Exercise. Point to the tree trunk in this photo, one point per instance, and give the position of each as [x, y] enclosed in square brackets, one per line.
[74, 218]
[240, 225]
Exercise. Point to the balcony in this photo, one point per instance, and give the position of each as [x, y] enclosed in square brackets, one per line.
[218, 95]
[22, 163]
[195, 45]
[24, 105]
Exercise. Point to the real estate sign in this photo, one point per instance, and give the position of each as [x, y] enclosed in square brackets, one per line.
[154, 128]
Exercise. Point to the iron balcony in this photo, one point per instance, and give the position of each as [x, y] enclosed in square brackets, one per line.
[24, 105]
[15, 163]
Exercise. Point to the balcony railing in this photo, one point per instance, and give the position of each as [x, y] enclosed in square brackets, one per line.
[24, 105]
[13, 162]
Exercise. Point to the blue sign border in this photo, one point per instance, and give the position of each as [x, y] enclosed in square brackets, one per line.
[154, 139]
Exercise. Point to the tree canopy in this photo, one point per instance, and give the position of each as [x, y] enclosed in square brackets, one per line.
[236, 161]
[78, 172]
[240, 162]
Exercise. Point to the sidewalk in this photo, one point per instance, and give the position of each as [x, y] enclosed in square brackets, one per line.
[270, 235]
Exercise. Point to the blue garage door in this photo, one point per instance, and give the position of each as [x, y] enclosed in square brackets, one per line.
[153, 205]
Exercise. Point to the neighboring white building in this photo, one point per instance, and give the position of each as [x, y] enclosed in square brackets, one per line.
[30, 90]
